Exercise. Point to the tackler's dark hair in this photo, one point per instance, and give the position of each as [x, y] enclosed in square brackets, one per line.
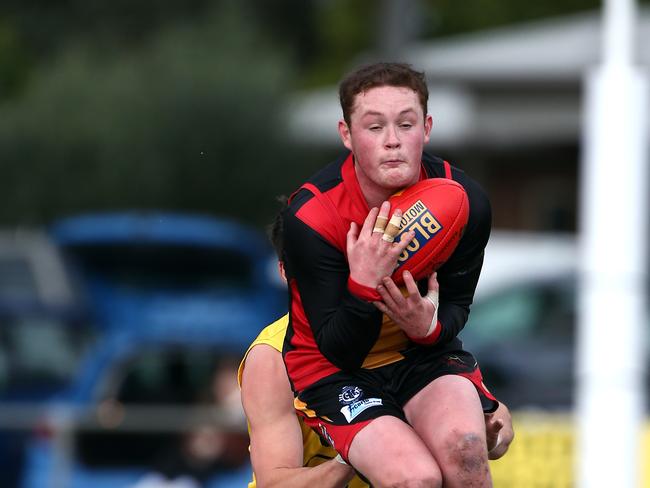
[275, 229]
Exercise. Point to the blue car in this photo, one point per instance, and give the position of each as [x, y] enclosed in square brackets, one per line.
[176, 298]
[149, 404]
[44, 334]
[152, 269]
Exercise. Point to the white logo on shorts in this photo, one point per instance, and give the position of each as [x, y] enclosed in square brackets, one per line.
[354, 409]
[349, 394]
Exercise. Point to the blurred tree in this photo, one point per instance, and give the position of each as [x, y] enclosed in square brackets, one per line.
[180, 104]
[191, 120]
[13, 62]
[33, 32]
[324, 37]
[47, 25]
[343, 30]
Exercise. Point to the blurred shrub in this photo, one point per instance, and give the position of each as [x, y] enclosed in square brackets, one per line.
[13, 61]
[189, 121]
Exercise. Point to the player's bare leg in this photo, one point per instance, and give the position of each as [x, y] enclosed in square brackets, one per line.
[390, 454]
[448, 416]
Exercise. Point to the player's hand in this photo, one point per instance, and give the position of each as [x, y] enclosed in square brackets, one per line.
[498, 432]
[412, 312]
[370, 256]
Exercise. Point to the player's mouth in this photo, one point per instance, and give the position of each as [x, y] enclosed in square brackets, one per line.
[393, 162]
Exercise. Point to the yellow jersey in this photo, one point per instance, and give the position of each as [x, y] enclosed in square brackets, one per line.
[314, 452]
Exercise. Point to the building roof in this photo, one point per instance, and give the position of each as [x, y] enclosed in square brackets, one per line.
[508, 86]
[555, 49]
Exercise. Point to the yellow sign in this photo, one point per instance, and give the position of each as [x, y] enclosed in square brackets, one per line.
[543, 454]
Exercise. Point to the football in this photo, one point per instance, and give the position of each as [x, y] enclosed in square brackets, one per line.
[437, 210]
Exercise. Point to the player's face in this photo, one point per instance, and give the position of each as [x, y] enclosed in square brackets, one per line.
[387, 134]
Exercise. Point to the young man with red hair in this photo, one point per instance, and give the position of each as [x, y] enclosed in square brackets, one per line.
[379, 372]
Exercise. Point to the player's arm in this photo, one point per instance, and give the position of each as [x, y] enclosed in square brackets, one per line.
[338, 317]
[459, 276]
[275, 435]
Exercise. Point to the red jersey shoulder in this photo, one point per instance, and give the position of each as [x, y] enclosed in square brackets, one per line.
[330, 201]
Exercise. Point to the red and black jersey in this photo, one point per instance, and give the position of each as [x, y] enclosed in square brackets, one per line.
[332, 327]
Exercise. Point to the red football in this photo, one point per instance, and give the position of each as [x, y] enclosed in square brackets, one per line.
[437, 210]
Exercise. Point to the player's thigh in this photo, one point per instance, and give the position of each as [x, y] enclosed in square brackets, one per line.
[448, 406]
[389, 449]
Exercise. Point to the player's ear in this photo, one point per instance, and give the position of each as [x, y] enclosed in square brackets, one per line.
[281, 270]
[428, 124]
[344, 133]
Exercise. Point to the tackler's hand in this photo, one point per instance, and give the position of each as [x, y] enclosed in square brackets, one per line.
[498, 431]
[372, 254]
[415, 314]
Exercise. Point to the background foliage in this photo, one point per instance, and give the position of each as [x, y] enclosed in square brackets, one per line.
[180, 105]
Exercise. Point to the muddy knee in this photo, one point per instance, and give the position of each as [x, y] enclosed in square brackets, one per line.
[467, 452]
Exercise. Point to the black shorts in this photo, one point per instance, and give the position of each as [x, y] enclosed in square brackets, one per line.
[341, 404]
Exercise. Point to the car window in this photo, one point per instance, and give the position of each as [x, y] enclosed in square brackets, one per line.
[155, 266]
[39, 354]
[165, 376]
[185, 379]
[17, 279]
[542, 310]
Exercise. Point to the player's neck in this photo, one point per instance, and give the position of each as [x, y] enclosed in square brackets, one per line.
[375, 195]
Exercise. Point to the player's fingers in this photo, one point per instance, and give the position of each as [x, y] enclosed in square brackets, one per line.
[433, 282]
[369, 223]
[381, 307]
[352, 236]
[411, 285]
[388, 298]
[405, 240]
[392, 228]
[382, 218]
[393, 291]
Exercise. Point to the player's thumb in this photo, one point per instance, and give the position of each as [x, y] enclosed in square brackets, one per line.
[433, 282]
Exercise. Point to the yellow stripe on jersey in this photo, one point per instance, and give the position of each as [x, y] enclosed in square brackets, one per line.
[385, 351]
[302, 407]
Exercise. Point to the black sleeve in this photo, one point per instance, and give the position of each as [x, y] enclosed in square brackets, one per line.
[459, 276]
[345, 327]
